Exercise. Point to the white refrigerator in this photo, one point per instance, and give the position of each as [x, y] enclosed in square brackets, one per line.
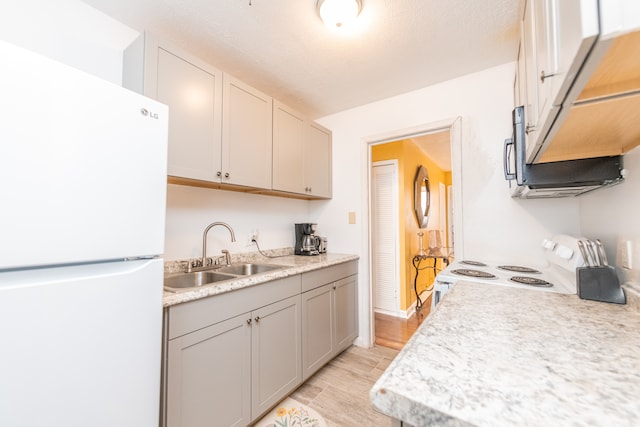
[82, 211]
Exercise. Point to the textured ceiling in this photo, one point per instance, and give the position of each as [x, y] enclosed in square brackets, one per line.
[282, 48]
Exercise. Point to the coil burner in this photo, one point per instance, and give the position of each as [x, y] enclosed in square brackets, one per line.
[519, 269]
[531, 281]
[474, 263]
[474, 273]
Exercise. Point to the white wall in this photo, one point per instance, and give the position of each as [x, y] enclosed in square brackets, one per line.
[496, 227]
[191, 209]
[68, 31]
[613, 215]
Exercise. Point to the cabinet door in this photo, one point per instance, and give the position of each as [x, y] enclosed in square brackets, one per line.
[208, 376]
[194, 96]
[288, 149]
[275, 353]
[531, 79]
[538, 38]
[317, 329]
[193, 91]
[318, 175]
[246, 135]
[346, 311]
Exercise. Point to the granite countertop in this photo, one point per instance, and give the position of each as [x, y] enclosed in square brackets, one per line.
[500, 356]
[294, 265]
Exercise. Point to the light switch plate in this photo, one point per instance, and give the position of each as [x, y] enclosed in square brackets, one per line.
[352, 217]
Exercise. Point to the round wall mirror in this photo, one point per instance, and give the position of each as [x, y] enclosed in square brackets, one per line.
[422, 197]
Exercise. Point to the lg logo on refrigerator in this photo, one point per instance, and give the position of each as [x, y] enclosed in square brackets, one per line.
[149, 114]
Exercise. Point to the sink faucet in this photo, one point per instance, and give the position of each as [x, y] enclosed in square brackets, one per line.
[204, 239]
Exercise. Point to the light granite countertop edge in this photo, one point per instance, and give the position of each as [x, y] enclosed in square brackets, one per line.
[294, 265]
[418, 388]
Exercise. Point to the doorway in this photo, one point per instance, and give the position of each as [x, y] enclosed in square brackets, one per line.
[437, 140]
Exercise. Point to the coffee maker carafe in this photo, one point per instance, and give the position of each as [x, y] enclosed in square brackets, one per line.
[307, 242]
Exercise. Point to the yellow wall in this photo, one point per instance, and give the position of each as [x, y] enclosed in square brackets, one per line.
[410, 157]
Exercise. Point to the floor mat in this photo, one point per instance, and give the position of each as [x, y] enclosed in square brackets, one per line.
[291, 413]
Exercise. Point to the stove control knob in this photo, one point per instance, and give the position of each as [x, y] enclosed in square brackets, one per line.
[548, 244]
[563, 252]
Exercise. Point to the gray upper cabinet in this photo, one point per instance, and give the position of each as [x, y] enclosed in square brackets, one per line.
[193, 91]
[301, 154]
[318, 161]
[246, 135]
[225, 134]
[288, 149]
[220, 129]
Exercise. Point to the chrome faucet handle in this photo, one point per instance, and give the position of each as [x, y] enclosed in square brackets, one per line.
[193, 264]
[227, 256]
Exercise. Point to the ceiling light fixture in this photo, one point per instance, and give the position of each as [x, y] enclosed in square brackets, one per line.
[337, 14]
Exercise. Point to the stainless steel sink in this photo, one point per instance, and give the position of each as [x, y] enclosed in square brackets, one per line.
[194, 280]
[248, 269]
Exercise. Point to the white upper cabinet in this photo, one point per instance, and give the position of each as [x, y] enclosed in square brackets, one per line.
[578, 62]
[301, 154]
[555, 38]
[193, 91]
[246, 135]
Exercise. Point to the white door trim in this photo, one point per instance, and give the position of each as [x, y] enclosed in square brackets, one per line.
[455, 127]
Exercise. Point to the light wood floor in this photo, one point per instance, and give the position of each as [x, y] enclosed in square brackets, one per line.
[340, 390]
[394, 332]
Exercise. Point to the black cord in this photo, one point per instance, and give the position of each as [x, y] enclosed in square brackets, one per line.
[263, 254]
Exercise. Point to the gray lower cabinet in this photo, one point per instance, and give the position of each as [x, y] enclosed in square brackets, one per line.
[230, 358]
[275, 353]
[209, 376]
[345, 297]
[224, 365]
[329, 314]
[317, 324]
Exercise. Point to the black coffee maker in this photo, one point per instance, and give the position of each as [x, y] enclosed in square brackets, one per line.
[307, 243]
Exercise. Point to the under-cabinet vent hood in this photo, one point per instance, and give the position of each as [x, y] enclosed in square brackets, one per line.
[554, 179]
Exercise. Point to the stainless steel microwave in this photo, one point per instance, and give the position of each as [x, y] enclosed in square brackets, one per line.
[554, 179]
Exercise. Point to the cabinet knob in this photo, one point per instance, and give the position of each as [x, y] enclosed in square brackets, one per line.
[249, 321]
[219, 173]
[257, 319]
[529, 128]
[226, 175]
[309, 189]
[335, 287]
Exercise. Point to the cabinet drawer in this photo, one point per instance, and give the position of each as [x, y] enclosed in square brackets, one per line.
[314, 279]
[194, 315]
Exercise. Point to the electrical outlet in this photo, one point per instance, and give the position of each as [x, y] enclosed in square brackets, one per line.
[625, 254]
[252, 236]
